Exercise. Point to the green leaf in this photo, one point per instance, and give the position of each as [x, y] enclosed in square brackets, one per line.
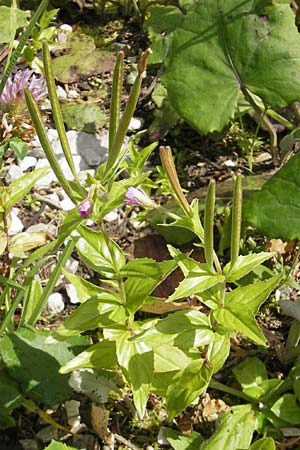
[99, 356]
[188, 384]
[10, 396]
[33, 358]
[138, 361]
[20, 187]
[234, 430]
[197, 281]
[58, 446]
[95, 253]
[251, 374]
[287, 408]
[143, 276]
[266, 443]
[274, 210]
[85, 117]
[242, 304]
[224, 47]
[180, 442]
[19, 147]
[218, 350]
[81, 59]
[244, 264]
[20, 20]
[84, 288]
[101, 311]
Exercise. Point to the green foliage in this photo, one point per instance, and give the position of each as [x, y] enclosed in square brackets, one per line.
[15, 18]
[274, 210]
[221, 49]
[83, 116]
[58, 446]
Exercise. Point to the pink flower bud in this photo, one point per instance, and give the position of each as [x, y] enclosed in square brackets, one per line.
[138, 197]
[85, 208]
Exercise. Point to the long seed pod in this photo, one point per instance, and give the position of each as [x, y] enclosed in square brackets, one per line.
[209, 225]
[56, 110]
[115, 102]
[236, 219]
[45, 143]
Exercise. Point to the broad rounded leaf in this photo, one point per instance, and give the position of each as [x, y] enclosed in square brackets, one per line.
[274, 210]
[223, 47]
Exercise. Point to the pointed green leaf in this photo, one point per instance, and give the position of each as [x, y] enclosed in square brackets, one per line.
[143, 276]
[84, 288]
[138, 361]
[180, 442]
[244, 264]
[197, 281]
[99, 311]
[287, 408]
[188, 384]
[20, 187]
[94, 251]
[242, 304]
[99, 356]
[223, 47]
[234, 430]
[218, 350]
[58, 446]
[263, 444]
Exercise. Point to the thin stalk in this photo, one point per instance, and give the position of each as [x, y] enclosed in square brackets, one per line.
[115, 102]
[56, 110]
[229, 390]
[52, 281]
[209, 225]
[127, 116]
[13, 60]
[8, 319]
[45, 143]
[169, 166]
[236, 220]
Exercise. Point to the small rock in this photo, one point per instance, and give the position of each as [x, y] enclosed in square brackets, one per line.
[229, 163]
[72, 294]
[72, 410]
[66, 27]
[135, 124]
[48, 433]
[67, 204]
[72, 93]
[49, 178]
[91, 149]
[72, 265]
[111, 216]
[27, 162]
[53, 198]
[16, 225]
[61, 93]
[29, 444]
[14, 172]
[55, 303]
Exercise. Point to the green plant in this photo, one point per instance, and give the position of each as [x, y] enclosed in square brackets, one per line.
[227, 50]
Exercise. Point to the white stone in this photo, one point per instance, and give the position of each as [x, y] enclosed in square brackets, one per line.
[73, 415]
[16, 225]
[53, 198]
[67, 204]
[72, 93]
[48, 178]
[72, 294]
[61, 93]
[135, 124]
[72, 265]
[14, 172]
[55, 303]
[27, 163]
[111, 216]
[66, 27]
[229, 163]
[47, 434]
[93, 150]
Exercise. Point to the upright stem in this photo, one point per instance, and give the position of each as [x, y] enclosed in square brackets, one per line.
[236, 220]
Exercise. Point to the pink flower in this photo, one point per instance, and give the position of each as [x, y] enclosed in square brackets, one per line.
[13, 93]
[138, 197]
[85, 208]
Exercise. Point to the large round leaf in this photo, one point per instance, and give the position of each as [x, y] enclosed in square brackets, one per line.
[224, 46]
